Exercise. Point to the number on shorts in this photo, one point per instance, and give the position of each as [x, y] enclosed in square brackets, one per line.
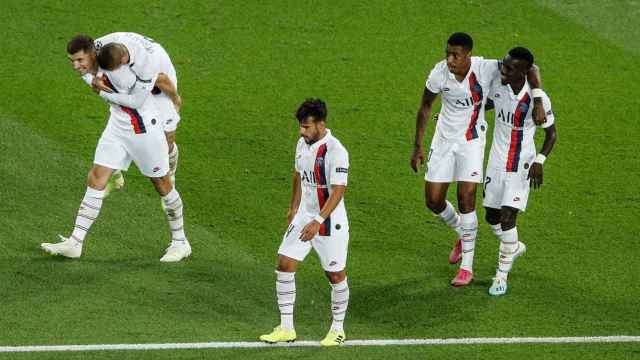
[487, 180]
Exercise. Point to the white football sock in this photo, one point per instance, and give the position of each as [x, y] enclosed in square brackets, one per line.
[469, 226]
[173, 210]
[173, 160]
[88, 213]
[450, 217]
[286, 295]
[339, 304]
[508, 247]
[497, 230]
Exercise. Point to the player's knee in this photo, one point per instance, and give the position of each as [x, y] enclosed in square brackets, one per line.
[466, 203]
[436, 205]
[335, 277]
[492, 216]
[95, 180]
[508, 219]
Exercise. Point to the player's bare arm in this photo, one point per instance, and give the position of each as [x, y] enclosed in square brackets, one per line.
[296, 193]
[312, 228]
[535, 82]
[98, 84]
[164, 83]
[536, 171]
[417, 158]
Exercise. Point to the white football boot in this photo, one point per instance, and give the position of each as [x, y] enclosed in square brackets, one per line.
[177, 251]
[68, 247]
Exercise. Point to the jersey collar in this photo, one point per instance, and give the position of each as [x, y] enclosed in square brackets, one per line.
[322, 141]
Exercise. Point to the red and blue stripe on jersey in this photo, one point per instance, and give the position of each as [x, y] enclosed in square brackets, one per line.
[136, 118]
[322, 188]
[476, 95]
[517, 133]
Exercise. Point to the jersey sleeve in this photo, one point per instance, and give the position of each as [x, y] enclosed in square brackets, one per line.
[550, 118]
[436, 78]
[339, 164]
[490, 69]
[88, 78]
[298, 159]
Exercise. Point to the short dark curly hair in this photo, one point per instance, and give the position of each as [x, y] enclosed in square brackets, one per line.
[523, 54]
[461, 39]
[80, 42]
[315, 108]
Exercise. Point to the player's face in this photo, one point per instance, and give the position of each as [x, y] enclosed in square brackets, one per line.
[512, 70]
[311, 130]
[458, 59]
[82, 61]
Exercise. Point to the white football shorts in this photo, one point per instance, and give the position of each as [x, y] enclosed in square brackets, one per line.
[450, 161]
[148, 150]
[503, 188]
[332, 250]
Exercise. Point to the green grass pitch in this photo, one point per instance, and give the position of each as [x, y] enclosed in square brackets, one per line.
[243, 69]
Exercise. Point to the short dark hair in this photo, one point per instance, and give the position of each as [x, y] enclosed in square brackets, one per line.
[312, 107]
[461, 39]
[109, 56]
[80, 42]
[522, 53]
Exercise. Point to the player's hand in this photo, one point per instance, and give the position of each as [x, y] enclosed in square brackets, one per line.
[538, 111]
[98, 84]
[290, 215]
[417, 158]
[177, 103]
[535, 175]
[310, 230]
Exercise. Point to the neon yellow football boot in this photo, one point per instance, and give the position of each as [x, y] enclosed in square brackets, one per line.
[279, 335]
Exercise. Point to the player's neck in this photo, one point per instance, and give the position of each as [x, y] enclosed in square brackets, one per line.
[460, 77]
[517, 85]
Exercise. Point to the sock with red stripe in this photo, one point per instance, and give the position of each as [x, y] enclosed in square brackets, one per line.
[88, 213]
[469, 226]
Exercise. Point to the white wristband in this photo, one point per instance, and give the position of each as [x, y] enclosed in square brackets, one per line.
[537, 93]
[319, 219]
[540, 158]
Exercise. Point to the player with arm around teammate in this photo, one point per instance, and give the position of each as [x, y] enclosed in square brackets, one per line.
[155, 75]
[457, 148]
[317, 219]
[131, 135]
[513, 165]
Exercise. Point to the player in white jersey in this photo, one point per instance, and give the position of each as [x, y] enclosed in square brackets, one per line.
[131, 134]
[513, 164]
[457, 147]
[317, 219]
[156, 75]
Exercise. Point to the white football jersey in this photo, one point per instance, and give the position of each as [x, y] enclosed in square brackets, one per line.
[322, 165]
[128, 120]
[513, 148]
[140, 48]
[461, 117]
[146, 60]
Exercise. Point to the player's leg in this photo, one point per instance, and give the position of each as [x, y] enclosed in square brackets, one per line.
[469, 157]
[87, 214]
[469, 230]
[173, 208]
[332, 251]
[436, 201]
[173, 154]
[292, 251]
[339, 304]
[514, 199]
